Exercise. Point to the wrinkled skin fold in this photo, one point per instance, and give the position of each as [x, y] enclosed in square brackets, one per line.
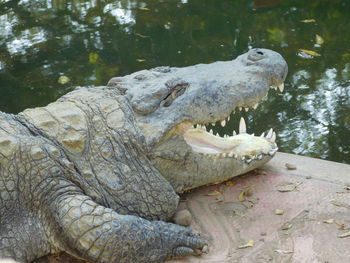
[96, 173]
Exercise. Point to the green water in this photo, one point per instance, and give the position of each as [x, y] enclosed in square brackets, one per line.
[91, 41]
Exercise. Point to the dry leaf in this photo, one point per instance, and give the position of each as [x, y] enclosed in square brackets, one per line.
[239, 213]
[144, 9]
[230, 183]
[252, 199]
[309, 52]
[245, 192]
[346, 234]
[287, 186]
[241, 197]
[319, 40]
[140, 35]
[290, 166]
[340, 224]
[262, 172]
[214, 193]
[308, 21]
[329, 221]
[279, 212]
[280, 251]
[286, 226]
[220, 198]
[63, 80]
[250, 243]
[337, 203]
[140, 60]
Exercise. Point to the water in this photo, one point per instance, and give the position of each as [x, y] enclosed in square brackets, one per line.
[48, 47]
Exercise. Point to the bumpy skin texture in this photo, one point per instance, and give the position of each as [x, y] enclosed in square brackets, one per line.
[82, 175]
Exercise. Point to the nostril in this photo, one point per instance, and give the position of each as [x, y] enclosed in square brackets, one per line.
[260, 52]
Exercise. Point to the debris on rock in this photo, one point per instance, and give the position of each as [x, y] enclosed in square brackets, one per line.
[279, 211]
[183, 218]
[329, 221]
[346, 234]
[286, 226]
[290, 166]
[214, 193]
[245, 193]
[284, 251]
[63, 80]
[250, 243]
[338, 203]
[287, 186]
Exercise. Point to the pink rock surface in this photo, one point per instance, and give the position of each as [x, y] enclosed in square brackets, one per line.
[298, 235]
[320, 195]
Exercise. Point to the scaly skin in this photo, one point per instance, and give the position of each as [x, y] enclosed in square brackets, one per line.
[92, 174]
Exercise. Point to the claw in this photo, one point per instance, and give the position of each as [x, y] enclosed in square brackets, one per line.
[183, 251]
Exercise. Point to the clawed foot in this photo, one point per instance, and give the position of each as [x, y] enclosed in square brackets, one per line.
[184, 241]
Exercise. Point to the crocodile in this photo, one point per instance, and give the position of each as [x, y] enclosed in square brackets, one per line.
[97, 173]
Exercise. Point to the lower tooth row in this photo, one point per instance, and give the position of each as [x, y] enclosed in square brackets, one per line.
[247, 159]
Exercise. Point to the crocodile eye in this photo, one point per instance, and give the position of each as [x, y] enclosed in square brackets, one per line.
[176, 92]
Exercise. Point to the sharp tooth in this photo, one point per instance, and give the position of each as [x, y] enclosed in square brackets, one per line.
[211, 131]
[255, 106]
[273, 137]
[248, 161]
[224, 155]
[253, 134]
[230, 154]
[240, 108]
[213, 124]
[217, 134]
[259, 157]
[269, 134]
[246, 109]
[228, 118]
[281, 87]
[262, 135]
[242, 126]
[275, 88]
[273, 151]
[234, 133]
[223, 123]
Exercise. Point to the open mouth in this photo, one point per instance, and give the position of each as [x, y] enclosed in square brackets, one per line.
[238, 145]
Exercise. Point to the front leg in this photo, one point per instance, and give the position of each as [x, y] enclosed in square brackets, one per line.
[96, 233]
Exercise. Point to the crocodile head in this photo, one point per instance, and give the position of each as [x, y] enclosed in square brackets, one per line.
[176, 108]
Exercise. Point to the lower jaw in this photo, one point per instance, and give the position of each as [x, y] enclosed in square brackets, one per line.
[199, 170]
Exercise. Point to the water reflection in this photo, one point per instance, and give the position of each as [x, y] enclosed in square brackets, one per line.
[43, 42]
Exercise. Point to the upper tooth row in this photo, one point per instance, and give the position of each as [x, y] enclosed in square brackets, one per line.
[271, 135]
[225, 121]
